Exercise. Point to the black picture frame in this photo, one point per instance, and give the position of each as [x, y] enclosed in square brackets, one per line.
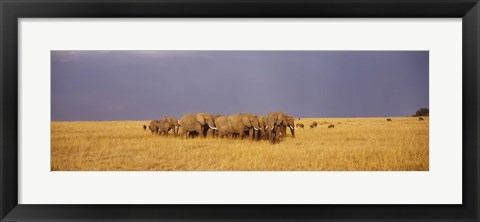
[12, 10]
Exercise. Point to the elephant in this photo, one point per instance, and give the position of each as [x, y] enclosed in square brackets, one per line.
[196, 123]
[284, 121]
[214, 132]
[275, 121]
[290, 123]
[255, 129]
[221, 123]
[239, 124]
[153, 126]
[262, 122]
[168, 123]
[331, 126]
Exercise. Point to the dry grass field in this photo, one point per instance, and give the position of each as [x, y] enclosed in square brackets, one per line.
[355, 144]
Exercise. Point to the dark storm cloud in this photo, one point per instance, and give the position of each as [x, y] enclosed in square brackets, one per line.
[141, 85]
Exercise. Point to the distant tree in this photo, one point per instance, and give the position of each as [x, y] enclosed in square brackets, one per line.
[422, 112]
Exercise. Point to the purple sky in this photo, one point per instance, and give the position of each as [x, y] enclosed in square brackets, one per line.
[144, 85]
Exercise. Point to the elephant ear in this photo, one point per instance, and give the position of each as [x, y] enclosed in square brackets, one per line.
[200, 118]
[246, 121]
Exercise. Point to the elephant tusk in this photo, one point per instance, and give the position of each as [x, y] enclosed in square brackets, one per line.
[291, 127]
[255, 128]
[266, 127]
[271, 128]
[211, 127]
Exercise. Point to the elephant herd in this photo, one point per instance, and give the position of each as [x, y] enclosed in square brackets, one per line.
[272, 127]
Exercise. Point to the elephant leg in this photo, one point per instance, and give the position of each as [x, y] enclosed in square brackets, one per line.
[199, 129]
[251, 132]
[292, 130]
[181, 133]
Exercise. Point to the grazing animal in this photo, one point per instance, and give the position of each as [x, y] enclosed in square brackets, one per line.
[214, 132]
[331, 126]
[221, 123]
[389, 120]
[314, 124]
[154, 126]
[420, 119]
[199, 123]
[239, 124]
[298, 118]
[144, 127]
[290, 123]
[300, 125]
[275, 123]
[262, 133]
[166, 124]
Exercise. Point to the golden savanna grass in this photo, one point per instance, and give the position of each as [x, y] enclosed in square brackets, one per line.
[355, 144]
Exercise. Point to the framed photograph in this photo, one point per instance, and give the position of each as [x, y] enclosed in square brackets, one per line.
[209, 110]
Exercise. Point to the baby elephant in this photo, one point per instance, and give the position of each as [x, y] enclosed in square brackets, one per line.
[300, 125]
[331, 126]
